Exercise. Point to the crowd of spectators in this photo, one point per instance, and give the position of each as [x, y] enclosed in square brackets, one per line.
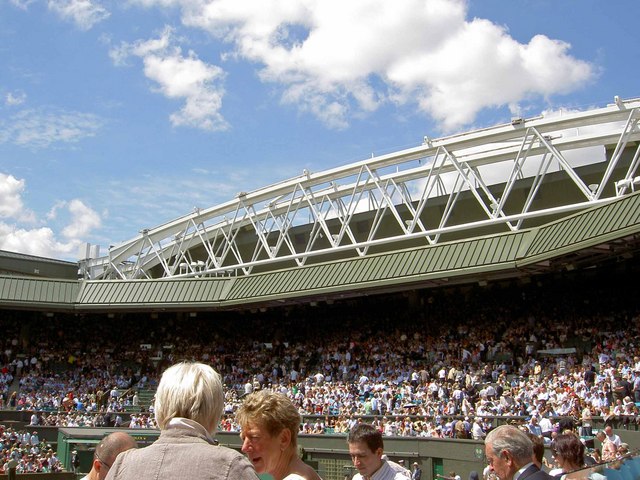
[435, 363]
[26, 452]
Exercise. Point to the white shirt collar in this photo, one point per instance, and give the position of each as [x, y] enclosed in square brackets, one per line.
[180, 422]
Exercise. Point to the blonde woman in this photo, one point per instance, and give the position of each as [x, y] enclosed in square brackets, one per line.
[188, 407]
[269, 424]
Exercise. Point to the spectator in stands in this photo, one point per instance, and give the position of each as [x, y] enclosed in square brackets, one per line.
[269, 430]
[362, 371]
[477, 432]
[451, 476]
[106, 453]
[611, 436]
[534, 427]
[538, 450]
[608, 448]
[510, 453]
[367, 449]
[30, 458]
[568, 452]
[416, 472]
[546, 426]
[623, 450]
[188, 406]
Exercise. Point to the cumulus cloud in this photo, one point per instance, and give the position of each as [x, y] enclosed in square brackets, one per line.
[80, 220]
[180, 76]
[40, 128]
[15, 98]
[338, 59]
[83, 220]
[84, 13]
[23, 4]
[11, 205]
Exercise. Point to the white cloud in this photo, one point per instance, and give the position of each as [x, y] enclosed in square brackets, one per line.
[84, 13]
[52, 214]
[11, 205]
[159, 196]
[15, 98]
[38, 241]
[41, 128]
[152, 3]
[339, 59]
[81, 220]
[180, 76]
[23, 4]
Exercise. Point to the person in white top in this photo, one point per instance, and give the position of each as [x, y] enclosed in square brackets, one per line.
[612, 437]
[366, 449]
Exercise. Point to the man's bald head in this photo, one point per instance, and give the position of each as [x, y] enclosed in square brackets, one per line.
[109, 448]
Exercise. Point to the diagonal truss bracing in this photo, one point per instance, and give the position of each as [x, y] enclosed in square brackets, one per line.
[411, 195]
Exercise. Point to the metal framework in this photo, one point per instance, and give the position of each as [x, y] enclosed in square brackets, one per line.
[399, 188]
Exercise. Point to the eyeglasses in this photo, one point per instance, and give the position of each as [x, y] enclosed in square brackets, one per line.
[102, 461]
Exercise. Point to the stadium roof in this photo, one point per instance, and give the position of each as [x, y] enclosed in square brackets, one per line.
[604, 233]
[507, 178]
[12, 263]
[534, 196]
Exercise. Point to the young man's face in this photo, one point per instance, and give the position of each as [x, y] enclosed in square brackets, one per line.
[365, 461]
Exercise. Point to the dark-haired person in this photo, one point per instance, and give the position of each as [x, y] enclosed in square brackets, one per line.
[538, 450]
[568, 451]
[366, 449]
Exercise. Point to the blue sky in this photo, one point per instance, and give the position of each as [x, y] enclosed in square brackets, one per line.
[120, 115]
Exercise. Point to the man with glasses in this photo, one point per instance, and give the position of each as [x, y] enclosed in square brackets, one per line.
[106, 453]
[510, 454]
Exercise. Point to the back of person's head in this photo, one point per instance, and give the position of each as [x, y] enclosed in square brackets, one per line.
[511, 439]
[623, 449]
[569, 447]
[190, 390]
[367, 434]
[109, 448]
[113, 444]
[538, 447]
[272, 411]
[566, 424]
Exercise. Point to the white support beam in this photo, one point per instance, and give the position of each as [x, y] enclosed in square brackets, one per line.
[401, 186]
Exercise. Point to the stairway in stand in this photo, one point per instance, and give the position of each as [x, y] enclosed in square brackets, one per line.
[145, 397]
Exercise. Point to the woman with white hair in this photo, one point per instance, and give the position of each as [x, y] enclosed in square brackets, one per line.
[188, 406]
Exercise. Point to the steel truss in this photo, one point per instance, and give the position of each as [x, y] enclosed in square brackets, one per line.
[397, 187]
